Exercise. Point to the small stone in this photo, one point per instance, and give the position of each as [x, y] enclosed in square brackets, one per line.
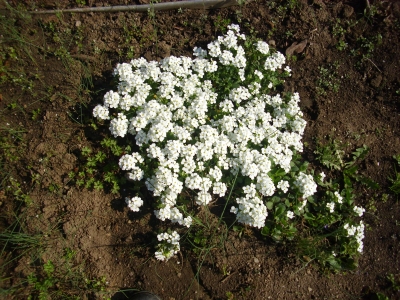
[256, 260]
[272, 43]
[347, 11]
[376, 82]
[309, 289]
[296, 48]
[78, 23]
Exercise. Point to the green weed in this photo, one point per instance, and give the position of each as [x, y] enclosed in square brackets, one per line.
[394, 282]
[99, 167]
[341, 45]
[221, 24]
[36, 114]
[11, 143]
[395, 187]
[365, 47]
[63, 280]
[328, 80]
[80, 2]
[332, 155]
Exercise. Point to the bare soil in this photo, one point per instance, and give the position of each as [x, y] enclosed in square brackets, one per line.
[112, 242]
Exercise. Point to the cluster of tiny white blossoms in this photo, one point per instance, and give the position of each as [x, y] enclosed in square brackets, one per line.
[134, 203]
[169, 106]
[359, 210]
[357, 232]
[169, 245]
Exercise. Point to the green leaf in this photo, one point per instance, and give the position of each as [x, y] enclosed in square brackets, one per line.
[247, 181]
[303, 167]
[100, 156]
[350, 171]
[86, 151]
[98, 185]
[279, 209]
[334, 263]
[309, 216]
[91, 162]
[380, 296]
[275, 199]
[270, 205]
[347, 181]
[48, 268]
[237, 228]
[265, 231]
[369, 182]
[32, 279]
[276, 234]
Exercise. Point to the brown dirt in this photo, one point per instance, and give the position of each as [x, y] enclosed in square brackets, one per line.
[114, 243]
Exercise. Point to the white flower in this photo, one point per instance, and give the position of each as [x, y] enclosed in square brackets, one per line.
[275, 61]
[101, 112]
[219, 188]
[234, 210]
[187, 221]
[134, 203]
[359, 210]
[129, 161]
[339, 198]
[283, 185]
[331, 206]
[168, 247]
[351, 230]
[251, 211]
[119, 125]
[306, 185]
[259, 74]
[234, 27]
[290, 214]
[199, 52]
[203, 198]
[322, 176]
[111, 99]
[262, 47]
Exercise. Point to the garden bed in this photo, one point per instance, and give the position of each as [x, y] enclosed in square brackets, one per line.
[86, 242]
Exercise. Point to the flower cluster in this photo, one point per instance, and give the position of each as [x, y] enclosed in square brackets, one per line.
[357, 232]
[169, 245]
[134, 203]
[202, 122]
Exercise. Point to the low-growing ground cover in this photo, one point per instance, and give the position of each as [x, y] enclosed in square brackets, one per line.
[66, 227]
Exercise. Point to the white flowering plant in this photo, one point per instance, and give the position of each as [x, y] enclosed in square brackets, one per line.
[214, 127]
